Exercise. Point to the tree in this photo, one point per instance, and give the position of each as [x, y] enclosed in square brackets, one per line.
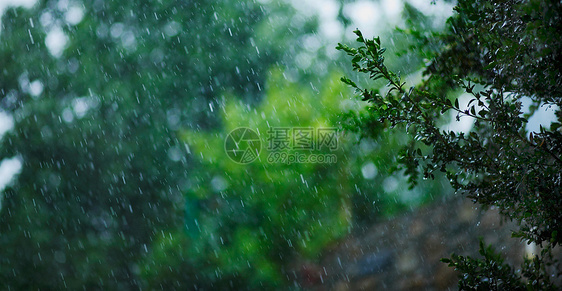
[500, 53]
[247, 225]
[104, 170]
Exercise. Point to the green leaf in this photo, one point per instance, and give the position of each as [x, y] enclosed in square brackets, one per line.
[348, 81]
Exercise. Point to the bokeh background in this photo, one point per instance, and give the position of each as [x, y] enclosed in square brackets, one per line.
[113, 116]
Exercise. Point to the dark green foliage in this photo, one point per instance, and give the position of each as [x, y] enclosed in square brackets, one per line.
[491, 273]
[98, 186]
[497, 52]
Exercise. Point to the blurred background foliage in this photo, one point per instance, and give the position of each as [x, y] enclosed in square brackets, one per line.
[119, 131]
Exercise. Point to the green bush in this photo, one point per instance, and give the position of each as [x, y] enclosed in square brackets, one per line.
[499, 53]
